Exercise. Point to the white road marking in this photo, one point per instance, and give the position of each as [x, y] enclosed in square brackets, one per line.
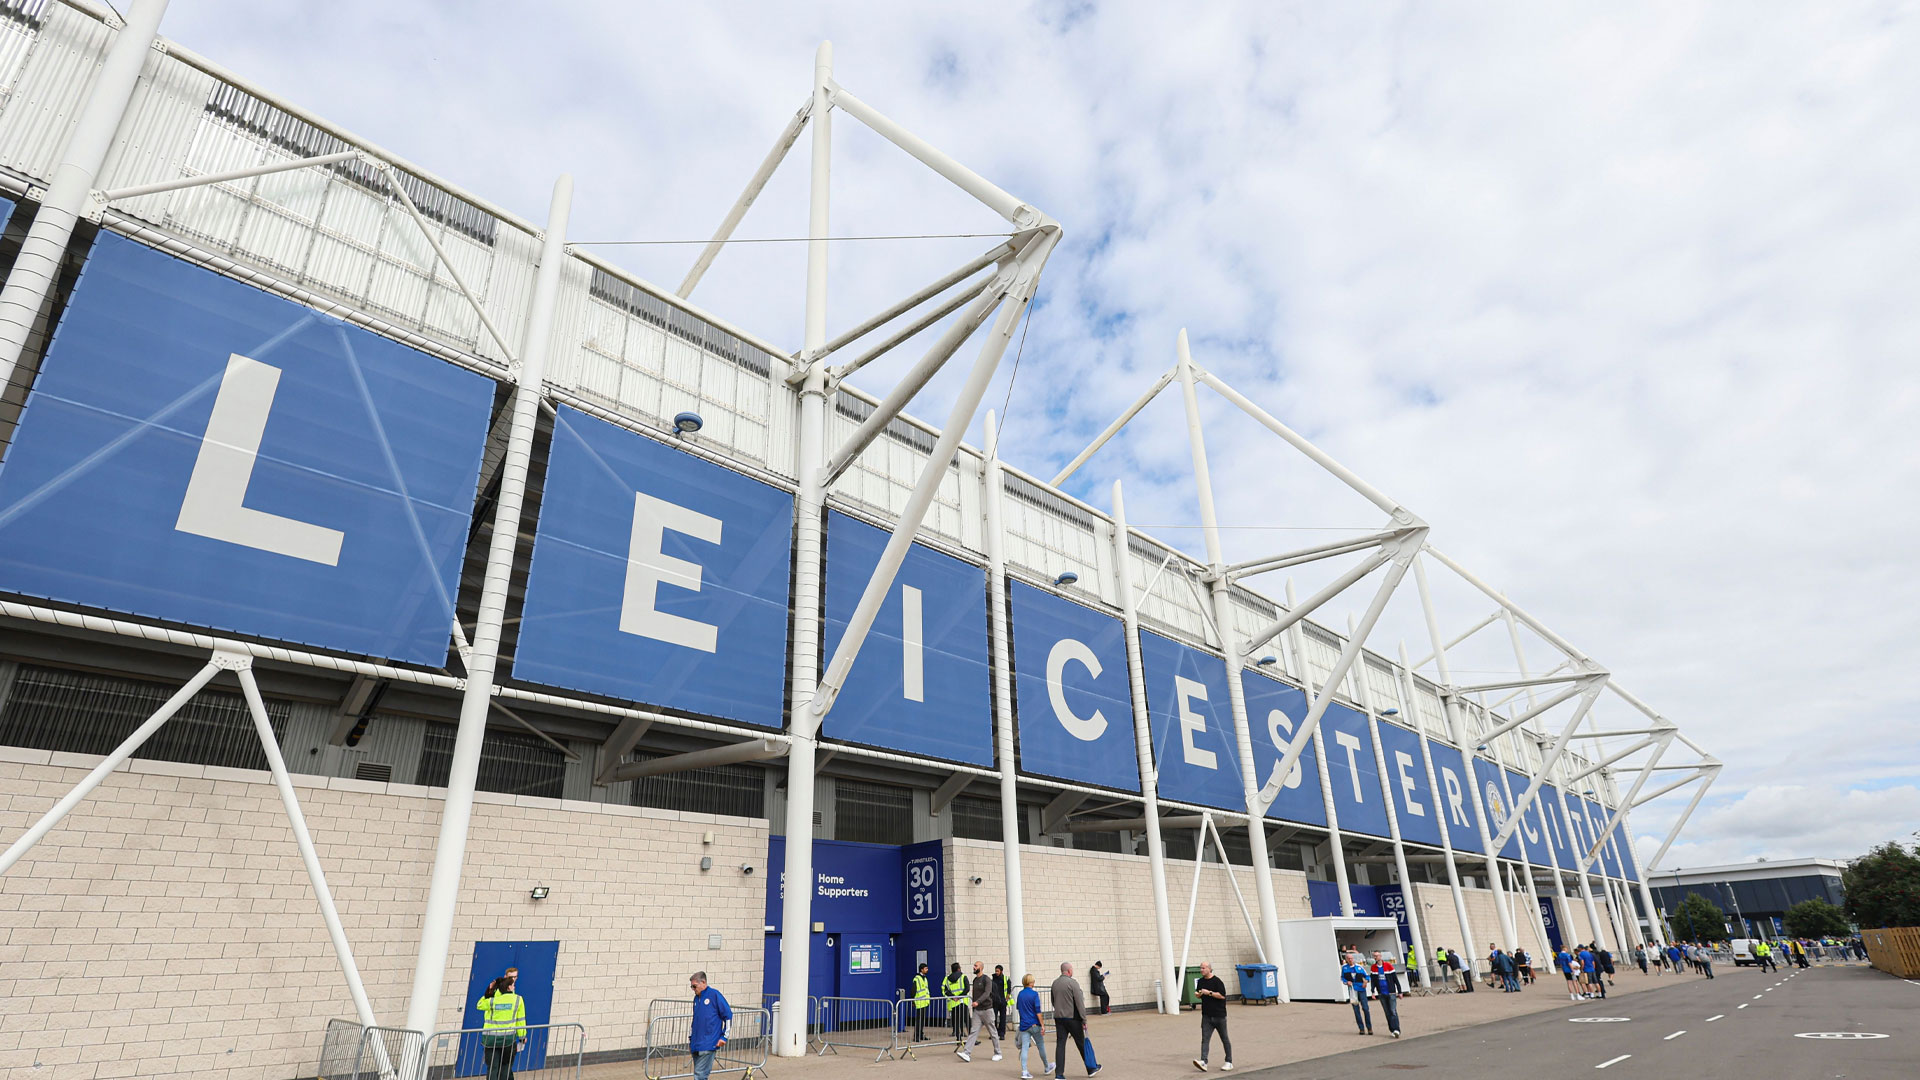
[1711, 1019]
[1756, 997]
[1839, 1035]
[1675, 1035]
[1744, 1004]
[1615, 1061]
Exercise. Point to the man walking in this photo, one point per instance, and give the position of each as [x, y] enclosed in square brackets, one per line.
[954, 989]
[1387, 988]
[1213, 1017]
[1002, 996]
[1032, 1031]
[711, 1015]
[922, 998]
[1070, 1022]
[980, 1002]
[1355, 978]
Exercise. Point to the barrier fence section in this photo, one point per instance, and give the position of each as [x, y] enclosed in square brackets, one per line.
[857, 1023]
[915, 1027]
[387, 1052]
[669, 1038]
[549, 1052]
[339, 1047]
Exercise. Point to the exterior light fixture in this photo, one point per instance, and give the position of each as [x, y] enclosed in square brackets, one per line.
[1482, 746]
[539, 892]
[1389, 712]
[1266, 660]
[1067, 578]
[687, 423]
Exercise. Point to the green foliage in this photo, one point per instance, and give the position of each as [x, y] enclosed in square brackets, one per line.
[1697, 919]
[1816, 919]
[1883, 888]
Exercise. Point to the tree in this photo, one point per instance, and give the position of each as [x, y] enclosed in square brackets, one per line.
[1697, 919]
[1816, 919]
[1883, 888]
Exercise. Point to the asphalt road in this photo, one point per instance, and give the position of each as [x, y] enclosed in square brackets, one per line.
[1744, 1025]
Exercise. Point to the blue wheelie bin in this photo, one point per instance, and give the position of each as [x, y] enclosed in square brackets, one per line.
[1259, 983]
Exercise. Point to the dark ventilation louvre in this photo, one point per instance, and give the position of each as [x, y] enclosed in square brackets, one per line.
[649, 308]
[1099, 841]
[373, 770]
[732, 790]
[1254, 602]
[510, 763]
[872, 813]
[294, 135]
[897, 429]
[1029, 492]
[1149, 550]
[27, 13]
[78, 713]
[977, 817]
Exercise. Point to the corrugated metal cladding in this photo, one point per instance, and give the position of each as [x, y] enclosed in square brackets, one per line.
[341, 232]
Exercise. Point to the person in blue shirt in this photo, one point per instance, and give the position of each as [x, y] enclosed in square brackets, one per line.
[1356, 977]
[1564, 961]
[1032, 1030]
[1589, 969]
[711, 1014]
[1386, 986]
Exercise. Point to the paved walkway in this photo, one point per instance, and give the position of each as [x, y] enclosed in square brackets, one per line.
[1146, 1044]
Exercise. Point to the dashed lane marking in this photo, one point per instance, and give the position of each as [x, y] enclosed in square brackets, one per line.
[1839, 1035]
[1599, 1019]
[1756, 997]
[1744, 1004]
[1711, 1019]
[1675, 1035]
[1615, 1061]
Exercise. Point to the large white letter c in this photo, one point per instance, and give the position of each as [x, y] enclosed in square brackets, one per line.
[1085, 729]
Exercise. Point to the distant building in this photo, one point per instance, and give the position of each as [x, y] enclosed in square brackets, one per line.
[1758, 892]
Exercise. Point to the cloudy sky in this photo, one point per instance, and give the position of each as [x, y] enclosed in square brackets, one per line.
[1619, 297]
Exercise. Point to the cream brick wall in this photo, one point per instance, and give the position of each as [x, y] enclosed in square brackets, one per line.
[1084, 906]
[167, 926]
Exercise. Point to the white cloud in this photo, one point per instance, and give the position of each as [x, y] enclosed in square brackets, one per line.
[1619, 298]
[1793, 820]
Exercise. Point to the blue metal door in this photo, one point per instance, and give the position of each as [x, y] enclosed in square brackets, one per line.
[537, 961]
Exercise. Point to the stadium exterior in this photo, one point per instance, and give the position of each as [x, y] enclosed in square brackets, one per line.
[353, 565]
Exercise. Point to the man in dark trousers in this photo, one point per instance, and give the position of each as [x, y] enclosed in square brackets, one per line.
[1070, 1022]
[1386, 988]
[1097, 974]
[1213, 1017]
[1002, 994]
[954, 989]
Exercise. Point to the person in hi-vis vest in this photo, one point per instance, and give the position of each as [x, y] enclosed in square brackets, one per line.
[922, 997]
[503, 1026]
[954, 989]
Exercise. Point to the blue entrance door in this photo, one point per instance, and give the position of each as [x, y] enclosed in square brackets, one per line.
[536, 961]
[1553, 923]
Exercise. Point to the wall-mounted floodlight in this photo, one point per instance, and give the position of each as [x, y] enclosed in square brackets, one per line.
[1482, 746]
[1588, 794]
[1067, 578]
[1389, 712]
[687, 423]
[539, 892]
[1266, 660]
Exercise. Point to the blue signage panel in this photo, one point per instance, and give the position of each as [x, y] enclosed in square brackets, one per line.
[1419, 811]
[1274, 712]
[1073, 706]
[1532, 831]
[1597, 820]
[1454, 797]
[1565, 835]
[199, 451]
[855, 887]
[1352, 772]
[1494, 797]
[921, 681]
[1192, 724]
[657, 577]
[1627, 860]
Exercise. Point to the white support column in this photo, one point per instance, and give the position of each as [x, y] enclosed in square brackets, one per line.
[1336, 840]
[1143, 750]
[1408, 900]
[1508, 935]
[1646, 893]
[1408, 697]
[995, 482]
[1565, 908]
[1236, 661]
[1534, 923]
[69, 193]
[796, 911]
[456, 815]
[242, 665]
[1586, 880]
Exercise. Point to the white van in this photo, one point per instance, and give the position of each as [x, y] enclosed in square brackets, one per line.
[1743, 951]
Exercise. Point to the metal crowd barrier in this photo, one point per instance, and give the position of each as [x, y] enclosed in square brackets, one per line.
[669, 1051]
[338, 1048]
[551, 1052]
[386, 1053]
[914, 1027]
[857, 1023]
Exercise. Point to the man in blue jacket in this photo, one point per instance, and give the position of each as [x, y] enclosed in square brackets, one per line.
[711, 1014]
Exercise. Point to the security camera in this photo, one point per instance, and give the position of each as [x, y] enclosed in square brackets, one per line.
[746, 868]
[976, 880]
